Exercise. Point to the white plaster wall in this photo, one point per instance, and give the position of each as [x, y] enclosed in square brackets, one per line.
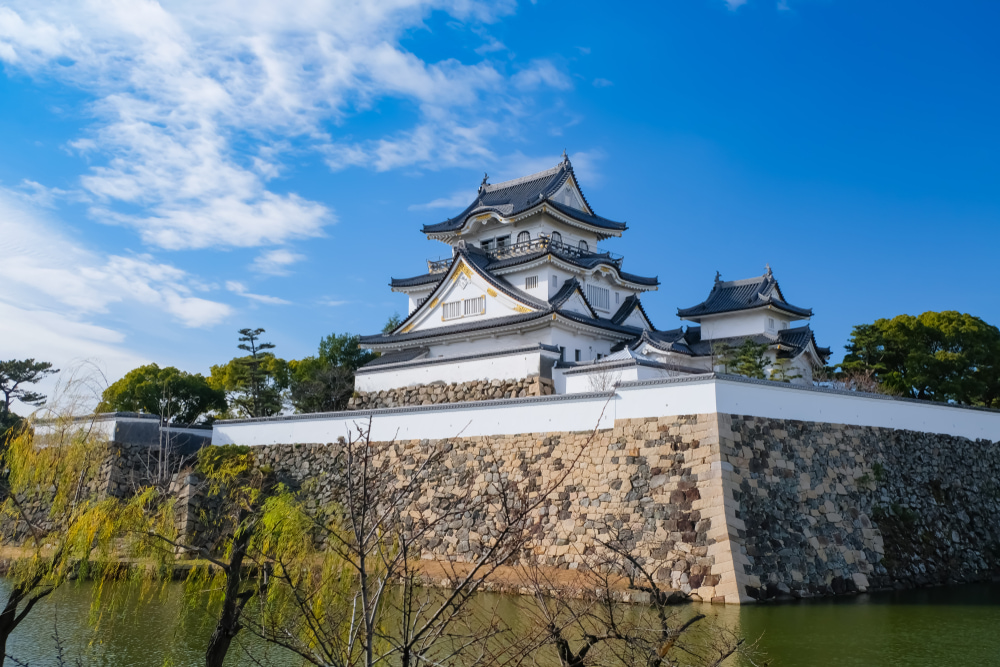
[741, 324]
[695, 395]
[783, 401]
[489, 344]
[513, 366]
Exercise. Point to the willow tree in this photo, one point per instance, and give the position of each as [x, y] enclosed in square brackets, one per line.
[52, 515]
[365, 599]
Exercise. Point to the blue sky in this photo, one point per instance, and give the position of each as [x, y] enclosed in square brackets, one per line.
[174, 171]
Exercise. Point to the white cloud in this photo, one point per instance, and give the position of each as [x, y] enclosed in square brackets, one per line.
[196, 101]
[241, 289]
[541, 73]
[458, 200]
[602, 83]
[491, 46]
[333, 303]
[276, 262]
[735, 4]
[43, 267]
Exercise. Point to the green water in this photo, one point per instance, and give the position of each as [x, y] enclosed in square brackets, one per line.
[933, 628]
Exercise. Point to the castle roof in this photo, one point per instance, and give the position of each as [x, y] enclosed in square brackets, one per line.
[789, 343]
[518, 195]
[495, 262]
[478, 260]
[736, 295]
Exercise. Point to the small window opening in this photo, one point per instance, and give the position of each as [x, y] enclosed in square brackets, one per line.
[531, 282]
[577, 355]
[523, 237]
[556, 237]
[584, 246]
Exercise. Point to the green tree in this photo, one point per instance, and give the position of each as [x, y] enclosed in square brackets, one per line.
[15, 374]
[946, 356]
[245, 397]
[748, 359]
[326, 382]
[392, 323]
[171, 394]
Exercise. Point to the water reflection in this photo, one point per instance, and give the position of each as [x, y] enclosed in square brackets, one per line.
[933, 627]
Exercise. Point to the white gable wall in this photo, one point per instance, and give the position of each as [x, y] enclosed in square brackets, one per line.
[462, 287]
[745, 323]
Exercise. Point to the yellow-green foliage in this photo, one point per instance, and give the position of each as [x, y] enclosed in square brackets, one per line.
[61, 465]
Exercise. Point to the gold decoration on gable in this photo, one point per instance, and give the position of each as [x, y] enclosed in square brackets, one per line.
[434, 302]
[462, 268]
[491, 291]
[407, 328]
[521, 309]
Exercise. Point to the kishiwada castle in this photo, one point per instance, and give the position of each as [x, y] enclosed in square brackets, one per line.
[527, 352]
[530, 294]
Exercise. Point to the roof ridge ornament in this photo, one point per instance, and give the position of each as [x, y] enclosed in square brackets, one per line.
[767, 271]
[718, 277]
[565, 158]
[486, 178]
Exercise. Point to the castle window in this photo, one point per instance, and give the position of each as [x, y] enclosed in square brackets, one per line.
[599, 297]
[555, 282]
[577, 355]
[770, 324]
[583, 246]
[562, 353]
[451, 310]
[475, 306]
[503, 242]
[556, 237]
[531, 282]
[618, 297]
[488, 244]
[523, 237]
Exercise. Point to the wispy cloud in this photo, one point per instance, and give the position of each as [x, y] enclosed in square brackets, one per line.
[457, 200]
[276, 262]
[178, 90]
[735, 4]
[241, 289]
[42, 265]
[602, 83]
[333, 303]
[541, 73]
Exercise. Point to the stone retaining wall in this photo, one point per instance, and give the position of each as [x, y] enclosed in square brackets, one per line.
[439, 392]
[645, 480]
[823, 509]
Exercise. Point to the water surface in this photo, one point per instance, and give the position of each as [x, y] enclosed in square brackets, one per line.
[932, 627]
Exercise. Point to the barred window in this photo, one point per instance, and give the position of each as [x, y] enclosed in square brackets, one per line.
[531, 282]
[523, 237]
[475, 306]
[599, 297]
[556, 237]
[451, 310]
[583, 246]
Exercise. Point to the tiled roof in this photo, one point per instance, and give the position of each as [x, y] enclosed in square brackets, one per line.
[630, 304]
[520, 194]
[585, 262]
[462, 327]
[736, 295]
[398, 356]
[566, 291]
[688, 341]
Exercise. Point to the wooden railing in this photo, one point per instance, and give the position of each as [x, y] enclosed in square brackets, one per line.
[529, 247]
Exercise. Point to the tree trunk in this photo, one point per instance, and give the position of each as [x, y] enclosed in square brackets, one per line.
[7, 619]
[232, 603]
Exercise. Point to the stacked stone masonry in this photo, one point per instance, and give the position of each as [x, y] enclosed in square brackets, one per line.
[724, 507]
[821, 509]
[646, 479]
[439, 392]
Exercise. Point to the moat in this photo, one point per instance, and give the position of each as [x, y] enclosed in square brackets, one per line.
[929, 627]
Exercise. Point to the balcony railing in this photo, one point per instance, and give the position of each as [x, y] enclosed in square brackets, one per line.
[528, 247]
